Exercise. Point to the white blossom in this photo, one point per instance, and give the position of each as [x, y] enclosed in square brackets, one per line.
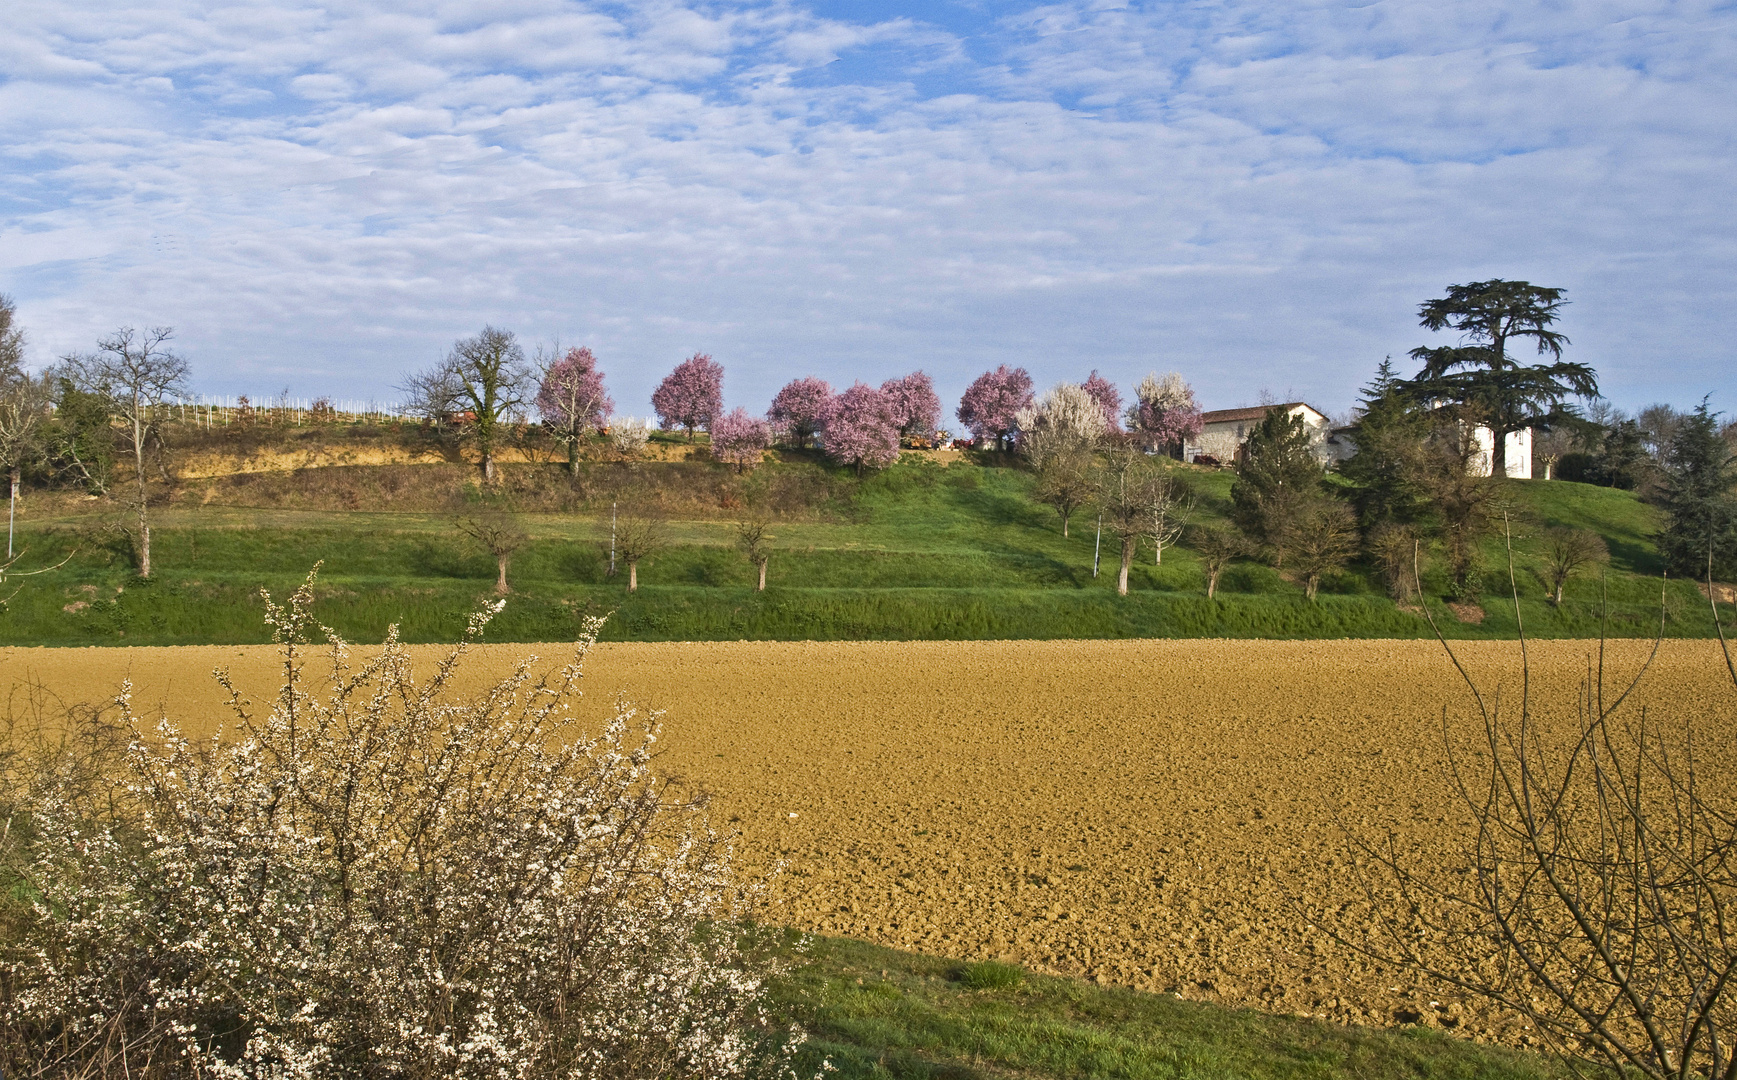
[382, 877]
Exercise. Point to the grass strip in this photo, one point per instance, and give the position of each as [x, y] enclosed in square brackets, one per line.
[881, 1013]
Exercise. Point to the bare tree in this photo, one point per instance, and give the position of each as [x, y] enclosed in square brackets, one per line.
[1464, 500]
[1596, 892]
[1566, 553]
[1126, 492]
[1171, 506]
[1064, 483]
[637, 536]
[1217, 548]
[1322, 538]
[482, 383]
[752, 538]
[1394, 548]
[137, 375]
[24, 403]
[500, 533]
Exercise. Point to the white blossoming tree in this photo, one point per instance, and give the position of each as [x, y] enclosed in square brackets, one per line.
[380, 877]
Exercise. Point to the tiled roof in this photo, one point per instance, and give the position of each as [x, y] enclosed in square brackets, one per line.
[1259, 412]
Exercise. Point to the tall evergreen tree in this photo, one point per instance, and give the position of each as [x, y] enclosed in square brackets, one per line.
[1621, 457]
[1277, 476]
[1389, 434]
[1700, 496]
[1478, 376]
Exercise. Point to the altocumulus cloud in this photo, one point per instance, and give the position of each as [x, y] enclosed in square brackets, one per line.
[1257, 194]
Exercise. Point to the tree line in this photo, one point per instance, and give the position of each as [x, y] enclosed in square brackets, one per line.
[1415, 482]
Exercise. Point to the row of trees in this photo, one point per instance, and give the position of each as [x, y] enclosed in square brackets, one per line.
[487, 379]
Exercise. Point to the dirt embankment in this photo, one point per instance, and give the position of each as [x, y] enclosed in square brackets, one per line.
[1141, 813]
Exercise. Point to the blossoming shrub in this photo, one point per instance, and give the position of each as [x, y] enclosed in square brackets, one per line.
[375, 876]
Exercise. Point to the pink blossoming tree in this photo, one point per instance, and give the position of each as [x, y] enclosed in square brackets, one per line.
[992, 403]
[1109, 399]
[740, 439]
[861, 430]
[571, 400]
[1164, 415]
[915, 408]
[802, 408]
[691, 396]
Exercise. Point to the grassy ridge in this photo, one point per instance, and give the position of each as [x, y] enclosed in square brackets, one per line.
[919, 552]
[879, 1013]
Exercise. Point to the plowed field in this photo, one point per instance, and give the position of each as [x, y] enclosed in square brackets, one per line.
[1134, 812]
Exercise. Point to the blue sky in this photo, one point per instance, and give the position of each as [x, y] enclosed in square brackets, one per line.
[1258, 195]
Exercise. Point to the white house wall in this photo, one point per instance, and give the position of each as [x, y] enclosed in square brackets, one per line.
[1517, 447]
[1222, 440]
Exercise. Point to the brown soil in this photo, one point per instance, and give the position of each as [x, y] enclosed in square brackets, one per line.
[1163, 815]
[1719, 592]
[1466, 613]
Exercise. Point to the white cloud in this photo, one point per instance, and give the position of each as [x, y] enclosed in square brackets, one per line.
[1255, 194]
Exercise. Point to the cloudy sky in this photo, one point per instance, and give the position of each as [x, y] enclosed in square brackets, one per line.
[1257, 194]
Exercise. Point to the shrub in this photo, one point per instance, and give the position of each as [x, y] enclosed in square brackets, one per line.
[380, 877]
[629, 433]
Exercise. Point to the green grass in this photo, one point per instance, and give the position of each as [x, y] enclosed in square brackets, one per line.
[879, 1013]
[918, 552]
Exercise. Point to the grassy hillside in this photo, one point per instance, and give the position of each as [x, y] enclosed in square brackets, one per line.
[919, 551]
[879, 1013]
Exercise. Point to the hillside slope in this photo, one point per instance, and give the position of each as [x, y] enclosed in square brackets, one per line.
[920, 551]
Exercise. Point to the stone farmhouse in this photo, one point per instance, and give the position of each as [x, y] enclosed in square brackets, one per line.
[1223, 431]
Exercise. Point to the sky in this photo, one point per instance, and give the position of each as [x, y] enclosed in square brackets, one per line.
[324, 196]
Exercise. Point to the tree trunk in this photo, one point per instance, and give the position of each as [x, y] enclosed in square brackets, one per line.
[12, 512]
[573, 453]
[762, 587]
[139, 474]
[1127, 561]
[1498, 453]
[1064, 526]
[1311, 584]
[144, 543]
[1211, 585]
[633, 575]
[1559, 594]
[501, 582]
[488, 465]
